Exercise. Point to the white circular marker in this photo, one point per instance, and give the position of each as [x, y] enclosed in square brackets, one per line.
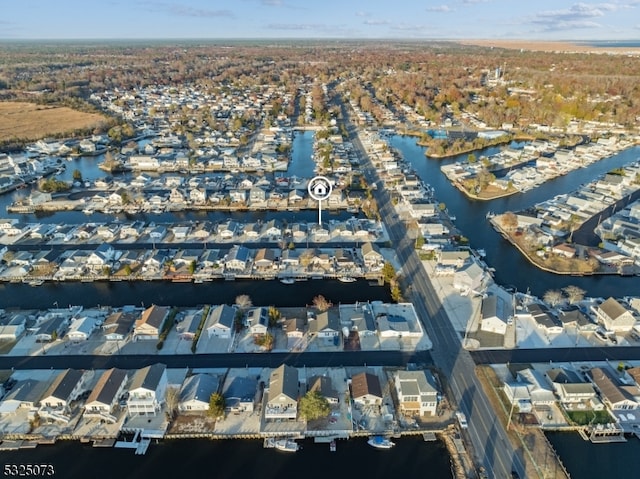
[319, 188]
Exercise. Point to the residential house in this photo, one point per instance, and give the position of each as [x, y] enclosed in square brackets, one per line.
[147, 390]
[220, 321]
[344, 260]
[272, 228]
[198, 196]
[119, 324]
[326, 325]
[290, 258]
[453, 258]
[296, 330]
[81, 328]
[257, 195]
[614, 316]
[105, 395]
[158, 233]
[282, 396]
[371, 256]
[322, 385]
[258, 321]
[53, 328]
[571, 390]
[265, 258]
[240, 394]
[196, 392]
[359, 317]
[366, 390]
[573, 317]
[544, 318]
[469, 277]
[66, 387]
[210, 258]
[188, 325]
[614, 394]
[24, 395]
[494, 314]
[237, 258]
[417, 393]
[150, 323]
[12, 325]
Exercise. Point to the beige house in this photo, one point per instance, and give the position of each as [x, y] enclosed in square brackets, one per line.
[282, 397]
[614, 316]
[366, 390]
[150, 323]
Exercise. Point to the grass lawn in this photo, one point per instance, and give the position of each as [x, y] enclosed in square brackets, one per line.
[584, 418]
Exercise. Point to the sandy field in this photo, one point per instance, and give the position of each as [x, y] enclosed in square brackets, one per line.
[31, 121]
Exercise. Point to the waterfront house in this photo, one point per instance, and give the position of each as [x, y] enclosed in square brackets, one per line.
[66, 387]
[133, 230]
[371, 256]
[150, 323]
[265, 258]
[81, 328]
[157, 234]
[564, 249]
[494, 314]
[119, 324]
[272, 229]
[229, 229]
[257, 195]
[258, 321]
[325, 325]
[572, 316]
[188, 325]
[196, 392]
[366, 390]
[289, 259]
[614, 316]
[452, 258]
[180, 232]
[296, 330]
[240, 394]
[210, 258]
[544, 318]
[299, 232]
[614, 394]
[237, 258]
[359, 318]
[105, 395]
[103, 255]
[344, 260]
[147, 390]
[282, 395]
[12, 325]
[322, 385]
[571, 390]
[417, 393]
[53, 328]
[198, 196]
[220, 321]
[24, 395]
[469, 278]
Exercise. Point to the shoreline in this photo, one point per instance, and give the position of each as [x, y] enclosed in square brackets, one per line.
[560, 46]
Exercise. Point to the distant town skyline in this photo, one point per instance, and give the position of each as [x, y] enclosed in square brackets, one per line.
[401, 19]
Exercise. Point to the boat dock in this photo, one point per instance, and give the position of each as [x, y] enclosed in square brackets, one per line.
[139, 443]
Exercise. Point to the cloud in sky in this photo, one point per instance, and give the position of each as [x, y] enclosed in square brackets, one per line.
[376, 22]
[440, 8]
[186, 11]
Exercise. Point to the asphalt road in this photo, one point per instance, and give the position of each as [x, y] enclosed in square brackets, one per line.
[491, 445]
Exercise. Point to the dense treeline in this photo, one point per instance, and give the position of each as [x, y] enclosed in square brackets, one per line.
[435, 80]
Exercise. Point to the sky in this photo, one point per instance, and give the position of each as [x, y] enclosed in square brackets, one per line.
[344, 19]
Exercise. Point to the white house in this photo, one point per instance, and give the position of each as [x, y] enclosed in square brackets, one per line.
[282, 396]
[196, 392]
[614, 316]
[258, 321]
[81, 328]
[105, 395]
[494, 315]
[66, 387]
[240, 394]
[417, 393]
[220, 320]
[147, 390]
[366, 390]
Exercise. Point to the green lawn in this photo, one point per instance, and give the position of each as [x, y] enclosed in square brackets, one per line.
[584, 418]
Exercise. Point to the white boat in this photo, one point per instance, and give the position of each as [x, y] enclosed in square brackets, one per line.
[347, 279]
[380, 442]
[288, 280]
[285, 445]
[482, 253]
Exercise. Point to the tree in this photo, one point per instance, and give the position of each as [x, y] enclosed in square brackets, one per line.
[574, 293]
[313, 406]
[192, 267]
[216, 405]
[77, 175]
[419, 241]
[553, 297]
[509, 221]
[388, 272]
[127, 270]
[274, 315]
[172, 399]
[321, 303]
[243, 301]
[266, 341]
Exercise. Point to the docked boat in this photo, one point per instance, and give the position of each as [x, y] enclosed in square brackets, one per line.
[347, 279]
[285, 445]
[288, 280]
[380, 442]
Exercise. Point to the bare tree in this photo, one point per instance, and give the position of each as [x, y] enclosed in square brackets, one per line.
[321, 303]
[243, 302]
[172, 399]
[553, 297]
[574, 293]
[509, 221]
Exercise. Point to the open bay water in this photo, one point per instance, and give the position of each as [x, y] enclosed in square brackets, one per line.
[240, 459]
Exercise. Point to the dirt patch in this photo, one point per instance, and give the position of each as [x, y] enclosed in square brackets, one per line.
[22, 120]
[192, 424]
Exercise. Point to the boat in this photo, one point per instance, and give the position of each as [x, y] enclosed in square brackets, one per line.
[380, 442]
[347, 279]
[332, 446]
[285, 445]
[481, 252]
[288, 280]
